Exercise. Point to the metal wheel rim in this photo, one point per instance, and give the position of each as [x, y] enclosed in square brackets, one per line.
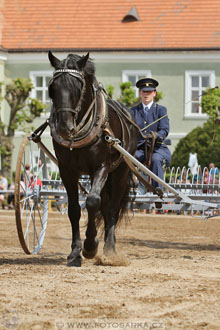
[31, 210]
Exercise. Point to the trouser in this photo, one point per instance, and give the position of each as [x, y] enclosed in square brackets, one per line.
[160, 158]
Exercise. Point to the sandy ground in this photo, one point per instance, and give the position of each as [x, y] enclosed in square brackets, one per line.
[166, 276]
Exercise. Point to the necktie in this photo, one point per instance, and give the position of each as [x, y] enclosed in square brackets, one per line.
[145, 112]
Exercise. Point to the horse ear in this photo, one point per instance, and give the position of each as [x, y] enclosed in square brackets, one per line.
[82, 62]
[53, 60]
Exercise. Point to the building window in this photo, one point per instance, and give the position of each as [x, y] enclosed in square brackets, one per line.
[196, 82]
[40, 80]
[133, 76]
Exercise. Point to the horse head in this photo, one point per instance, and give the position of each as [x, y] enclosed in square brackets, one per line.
[67, 91]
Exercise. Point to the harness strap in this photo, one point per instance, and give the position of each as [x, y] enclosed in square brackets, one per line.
[67, 109]
[149, 151]
[81, 123]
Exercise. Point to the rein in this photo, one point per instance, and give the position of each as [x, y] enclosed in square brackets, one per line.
[153, 123]
[122, 114]
[117, 104]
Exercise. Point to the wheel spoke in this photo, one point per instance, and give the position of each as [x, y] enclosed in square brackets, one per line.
[31, 208]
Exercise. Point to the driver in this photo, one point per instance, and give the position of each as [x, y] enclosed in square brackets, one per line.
[152, 117]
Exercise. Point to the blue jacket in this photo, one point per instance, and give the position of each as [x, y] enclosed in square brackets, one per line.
[162, 126]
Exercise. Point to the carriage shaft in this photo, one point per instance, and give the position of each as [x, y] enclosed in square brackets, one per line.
[179, 195]
[36, 138]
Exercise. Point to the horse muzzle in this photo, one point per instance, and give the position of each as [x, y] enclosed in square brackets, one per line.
[65, 132]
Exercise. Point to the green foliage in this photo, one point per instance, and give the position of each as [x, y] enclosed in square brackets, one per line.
[4, 150]
[1, 97]
[33, 109]
[55, 175]
[23, 108]
[199, 140]
[2, 126]
[158, 97]
[17, 92]
[211, 103]
[110, 90]
[204, 140]
[23, 111]
[127, 94]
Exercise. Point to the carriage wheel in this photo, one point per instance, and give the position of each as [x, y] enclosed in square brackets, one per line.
[31, 207]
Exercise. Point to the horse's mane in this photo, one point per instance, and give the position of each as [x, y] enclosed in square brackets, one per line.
[71, 63]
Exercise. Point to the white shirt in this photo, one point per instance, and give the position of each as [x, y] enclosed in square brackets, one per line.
[3, 183]
[149, 105]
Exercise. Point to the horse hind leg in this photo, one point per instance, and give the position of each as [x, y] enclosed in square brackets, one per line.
[115, 206]
[93, 203]
[110, 239]
[106, 209]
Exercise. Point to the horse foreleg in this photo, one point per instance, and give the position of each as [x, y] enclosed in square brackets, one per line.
[74, 213]
[93, 203]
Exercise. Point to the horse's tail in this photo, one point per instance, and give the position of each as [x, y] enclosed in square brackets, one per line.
[123, 213]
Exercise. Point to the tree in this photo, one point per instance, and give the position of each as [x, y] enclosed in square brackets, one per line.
[199, 140]
[128, 96]
[23, 111]
[203, 140]
[211, 105]
[158, 97]
[110, 90]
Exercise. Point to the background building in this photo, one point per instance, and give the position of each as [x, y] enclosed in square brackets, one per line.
[177, 43]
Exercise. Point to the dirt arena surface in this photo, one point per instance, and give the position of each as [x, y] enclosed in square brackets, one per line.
[166, 276]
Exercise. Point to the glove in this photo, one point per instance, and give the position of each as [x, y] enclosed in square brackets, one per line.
[151, 134]
[154, 134]
[148, 136]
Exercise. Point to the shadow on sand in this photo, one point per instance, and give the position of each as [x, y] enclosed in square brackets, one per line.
[171, 245]
[37, 260]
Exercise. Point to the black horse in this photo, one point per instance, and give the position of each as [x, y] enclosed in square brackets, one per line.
[81, 116]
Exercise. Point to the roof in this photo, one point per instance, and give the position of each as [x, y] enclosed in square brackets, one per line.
[97, 25]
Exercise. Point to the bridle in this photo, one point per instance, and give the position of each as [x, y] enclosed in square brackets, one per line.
[76, 74]
[79, 75]
[87, 129]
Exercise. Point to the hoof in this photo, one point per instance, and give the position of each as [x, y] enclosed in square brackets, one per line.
[109, 250]
[159, 192]
[88, 253]
[74, 262]
[158, 205]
